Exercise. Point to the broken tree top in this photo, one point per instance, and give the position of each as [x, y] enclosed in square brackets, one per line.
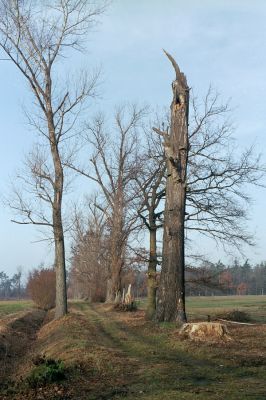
[180, 76]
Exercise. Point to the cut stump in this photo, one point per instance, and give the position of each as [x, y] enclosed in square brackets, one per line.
[205, 332]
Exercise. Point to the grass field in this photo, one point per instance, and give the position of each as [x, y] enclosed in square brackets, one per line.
[14, 306]
[200, 307]
[114, 355]
[197, 307]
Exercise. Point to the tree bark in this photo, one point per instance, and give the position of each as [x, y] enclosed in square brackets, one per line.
[61, 290]
[60, 267]
[171, 296]
[116, 268]
[152, 282]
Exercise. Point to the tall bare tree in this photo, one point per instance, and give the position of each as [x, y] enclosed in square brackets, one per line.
[113, 166]
[35, 35]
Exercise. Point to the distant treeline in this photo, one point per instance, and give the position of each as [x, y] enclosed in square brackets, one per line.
[220, 279]
[11, 287]
[207, 279]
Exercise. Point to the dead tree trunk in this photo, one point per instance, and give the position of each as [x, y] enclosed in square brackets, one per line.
[171, 296]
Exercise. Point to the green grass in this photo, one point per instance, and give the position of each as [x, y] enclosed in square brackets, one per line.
[14, 306]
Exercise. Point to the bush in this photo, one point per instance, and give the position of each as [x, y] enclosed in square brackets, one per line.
[41, 287]
[47, 371]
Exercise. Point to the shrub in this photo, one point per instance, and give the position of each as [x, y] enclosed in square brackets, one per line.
[47, 371]
[41, 287]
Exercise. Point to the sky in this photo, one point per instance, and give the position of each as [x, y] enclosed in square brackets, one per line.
[221, 43]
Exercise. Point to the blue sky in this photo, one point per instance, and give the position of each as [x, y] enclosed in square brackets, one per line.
[217, 42]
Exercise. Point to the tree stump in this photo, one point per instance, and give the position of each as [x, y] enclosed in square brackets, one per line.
[126, 302]
[205, 332]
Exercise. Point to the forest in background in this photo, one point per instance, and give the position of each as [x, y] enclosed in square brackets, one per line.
[208, 279]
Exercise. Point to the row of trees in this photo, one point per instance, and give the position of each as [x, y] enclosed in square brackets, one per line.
[177, 177]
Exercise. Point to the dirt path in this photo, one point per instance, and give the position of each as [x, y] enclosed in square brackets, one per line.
[17, 334]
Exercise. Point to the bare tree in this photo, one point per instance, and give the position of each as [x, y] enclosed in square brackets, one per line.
[35, 35]
[113, 166]
[218, 175]
[151, 186]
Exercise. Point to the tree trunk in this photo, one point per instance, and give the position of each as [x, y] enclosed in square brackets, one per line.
[117, 247]
[61, 290]
[116, 279]
[114, 288]
[60, 267]
[171, 296]
[152, 282]
[109, 292]
[114, 282]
